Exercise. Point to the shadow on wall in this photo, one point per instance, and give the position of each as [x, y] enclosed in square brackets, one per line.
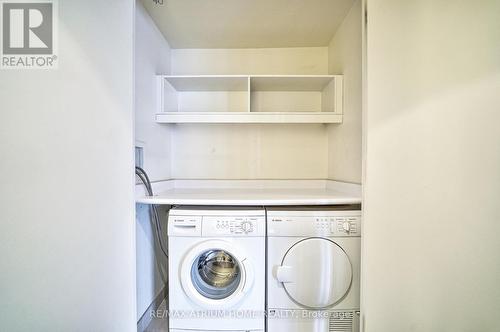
[151, 268]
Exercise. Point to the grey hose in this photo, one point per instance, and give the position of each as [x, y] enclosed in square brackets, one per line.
[147, 183]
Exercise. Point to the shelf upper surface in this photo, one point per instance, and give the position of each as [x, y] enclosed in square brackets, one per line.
[249, 197]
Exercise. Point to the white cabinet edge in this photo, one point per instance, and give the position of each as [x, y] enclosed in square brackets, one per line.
[248, 117]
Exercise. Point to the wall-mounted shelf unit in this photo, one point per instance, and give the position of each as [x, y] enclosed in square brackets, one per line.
[250, 99]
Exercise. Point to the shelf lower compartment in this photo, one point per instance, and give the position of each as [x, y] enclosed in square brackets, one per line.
[248, 117]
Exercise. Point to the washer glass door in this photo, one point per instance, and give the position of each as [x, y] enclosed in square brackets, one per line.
[216, 274]
[316, 273]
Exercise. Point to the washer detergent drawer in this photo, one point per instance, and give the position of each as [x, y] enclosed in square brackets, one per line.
[281, 320]
[177, 330]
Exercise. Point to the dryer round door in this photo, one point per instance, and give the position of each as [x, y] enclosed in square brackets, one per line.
[316, 273]
[215, 274]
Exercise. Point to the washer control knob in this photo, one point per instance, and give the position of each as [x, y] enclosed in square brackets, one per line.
[346, 226]
[247, 227]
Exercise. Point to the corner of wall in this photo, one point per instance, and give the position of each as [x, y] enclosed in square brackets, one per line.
[344, 140]
[152, 57]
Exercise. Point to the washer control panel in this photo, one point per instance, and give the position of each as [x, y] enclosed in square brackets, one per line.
[207, 222]
[332, 224]
[233, 226]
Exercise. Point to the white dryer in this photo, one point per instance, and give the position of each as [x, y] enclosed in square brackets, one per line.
[313, 269]
[216, 269]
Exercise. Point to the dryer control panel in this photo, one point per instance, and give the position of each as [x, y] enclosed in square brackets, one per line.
[333, 224]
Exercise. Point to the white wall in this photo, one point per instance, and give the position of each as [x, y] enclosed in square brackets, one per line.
[344, 140]
[250, 151]
[256, 61]
[432, 182]
[67, 228]
[152, 56]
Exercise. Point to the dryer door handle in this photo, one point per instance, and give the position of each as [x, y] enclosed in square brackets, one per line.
[285, 274]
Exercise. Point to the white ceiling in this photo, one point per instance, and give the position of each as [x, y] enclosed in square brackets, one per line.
[248, 23]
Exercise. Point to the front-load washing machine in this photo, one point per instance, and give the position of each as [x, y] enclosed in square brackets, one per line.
[313, 270]
[216, 269]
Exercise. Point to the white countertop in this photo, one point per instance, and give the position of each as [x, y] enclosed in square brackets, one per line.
[253, 192]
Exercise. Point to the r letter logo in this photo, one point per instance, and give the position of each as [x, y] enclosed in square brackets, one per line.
[28, 31]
